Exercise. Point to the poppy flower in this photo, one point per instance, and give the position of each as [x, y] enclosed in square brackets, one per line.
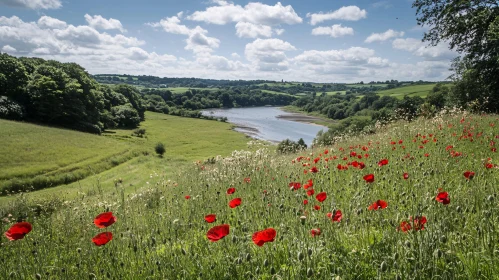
[264, 236]
[404, 226]
[369, 178]
[489, 165]
[235, 202]
[314, 170]
[317, 207]
[294, 185]
[187, 197]
[378, 204]
[231, 190]
[383, 162]
[210, 218]
[317, 159]
[104, 220]
[217, 232]
[247, 180]
[469, 175]
[443, 197]
[337, 216]
[102, 238]
[419, 222]
[406, 176]
[18, 231]
[310, 192]
[329, 215]
[315, 232]
[305, 202]
[321, 196]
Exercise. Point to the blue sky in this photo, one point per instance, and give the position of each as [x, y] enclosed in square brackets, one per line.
[295, 40]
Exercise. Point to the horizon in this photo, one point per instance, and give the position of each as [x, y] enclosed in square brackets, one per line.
[313, 42]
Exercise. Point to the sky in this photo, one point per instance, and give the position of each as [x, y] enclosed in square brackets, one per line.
[333, 41]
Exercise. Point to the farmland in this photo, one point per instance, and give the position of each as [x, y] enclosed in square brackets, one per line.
[412, 90]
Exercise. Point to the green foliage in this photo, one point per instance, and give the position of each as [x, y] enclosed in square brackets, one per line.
[139, 132]
[347, 127]
[125, 116]
[160, 149]
[10, 109]
[289, 146]
[471, 28]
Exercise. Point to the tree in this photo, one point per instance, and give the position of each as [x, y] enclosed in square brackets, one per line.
[470, 27]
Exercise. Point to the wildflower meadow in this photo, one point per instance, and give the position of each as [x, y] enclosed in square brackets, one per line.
[414, 201]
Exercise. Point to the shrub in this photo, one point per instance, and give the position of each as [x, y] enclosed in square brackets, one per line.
[139, 132]
[288, 146]
[160, 149]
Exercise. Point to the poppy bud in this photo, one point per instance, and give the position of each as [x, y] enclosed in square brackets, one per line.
[490, 198]
[309, 251]
[383, 267]
[12, 274]
[248, 257]
[92, 276]
[266, 262]
[38, 276]
[438, 253]
[407, 243]
[310, 272]
[257, 270]
[272, 270]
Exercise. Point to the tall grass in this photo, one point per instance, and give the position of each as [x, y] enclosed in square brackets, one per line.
[162, 235]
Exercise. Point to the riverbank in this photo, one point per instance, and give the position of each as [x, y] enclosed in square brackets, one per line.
[301, 116]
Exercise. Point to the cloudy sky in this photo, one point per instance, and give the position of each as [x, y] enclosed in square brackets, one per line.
[294, 40]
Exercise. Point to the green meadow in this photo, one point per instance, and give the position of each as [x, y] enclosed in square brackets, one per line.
[30, 153]
[412, 90]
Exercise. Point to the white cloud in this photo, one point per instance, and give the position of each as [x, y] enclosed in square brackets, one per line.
[418, 48]
[390, 33]
[269, 54]
[334, 31]
[382, 4]
[251, 30]
[235, 55]
[256, 13]
[352, 13]
[51, 23]
[8, 49]
[197, 40]
[279, 32]
[33, 4]
[98, 22]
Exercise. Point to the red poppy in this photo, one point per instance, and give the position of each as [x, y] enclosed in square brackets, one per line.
[378, 204]
[264, 236]
[443, 197]
[317, 159]
[187, 197]
[309, 184]
[305, 202]
[489, 165]
[406, 176]
[419, 222]
[314, 170]
[217, 232]
[231, 190]
[315, 232]
[321, 196]
[295, 185]
[310, 192]
[104, 220]
[18, 231]
[404, 226]
[235, 202]
[337, 216]
[317, 207]
[329, 215]
[210, 218]
[383, 162]
[369, 178]
[247, 180]
[102, 238]
[469, 174]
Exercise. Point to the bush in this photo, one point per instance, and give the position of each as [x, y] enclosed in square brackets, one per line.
[10, 110]
[288, 146]
[139, 132]
[160, 149]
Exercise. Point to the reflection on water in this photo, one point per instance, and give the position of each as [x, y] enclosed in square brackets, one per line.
[262, 123]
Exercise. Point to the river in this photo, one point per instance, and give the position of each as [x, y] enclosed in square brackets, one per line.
[269, 123]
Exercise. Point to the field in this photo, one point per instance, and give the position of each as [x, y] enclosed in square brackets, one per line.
[342, 92]
[28, 150]
[414, 201]
[400, 92]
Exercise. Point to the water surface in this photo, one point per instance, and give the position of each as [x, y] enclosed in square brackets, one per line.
[263, 123]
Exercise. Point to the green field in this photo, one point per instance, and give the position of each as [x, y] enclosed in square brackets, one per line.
[419, 217]
[415, 90]
[342, 92]
[366, 85]
[275, 92]
[29, 150]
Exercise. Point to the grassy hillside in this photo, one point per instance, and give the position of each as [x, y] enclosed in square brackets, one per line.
[413, 90]
[31, 153]
[185, 89]
[397, 226]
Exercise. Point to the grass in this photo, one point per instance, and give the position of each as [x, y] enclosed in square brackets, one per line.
[30, 150]
[320, 119]
[160, 234]
[366, 85]
[413, 90]
[342, 92]
[275, 92]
